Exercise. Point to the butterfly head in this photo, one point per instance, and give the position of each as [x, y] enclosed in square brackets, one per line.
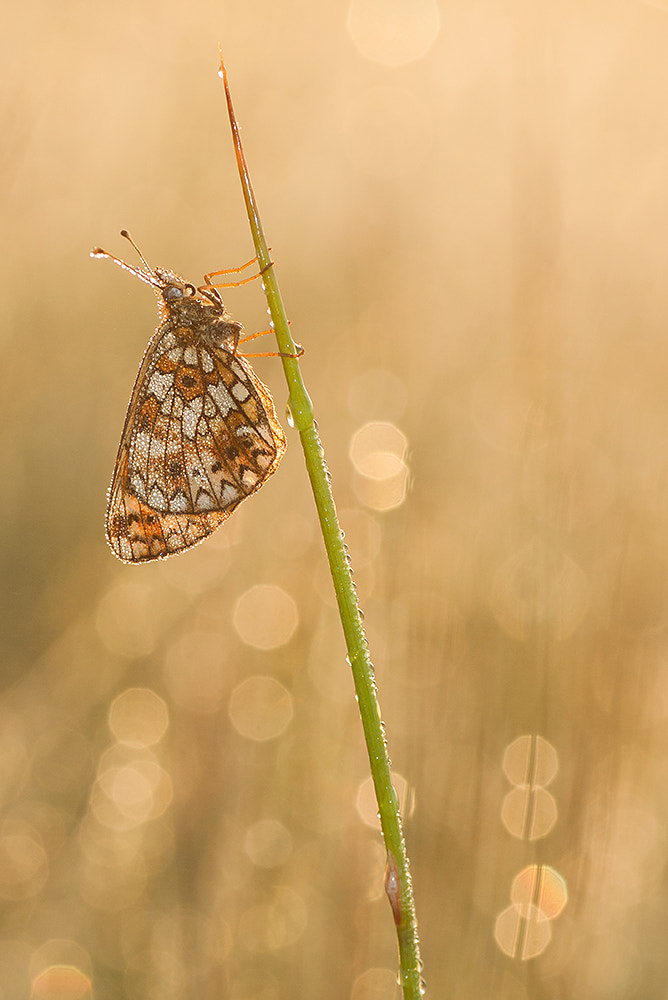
[172, 286]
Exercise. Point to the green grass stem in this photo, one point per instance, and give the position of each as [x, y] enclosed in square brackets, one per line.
[397, 876]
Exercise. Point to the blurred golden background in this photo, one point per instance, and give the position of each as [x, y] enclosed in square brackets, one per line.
[467, 208]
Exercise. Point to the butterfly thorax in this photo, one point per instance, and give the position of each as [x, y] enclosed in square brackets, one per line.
[194, 315]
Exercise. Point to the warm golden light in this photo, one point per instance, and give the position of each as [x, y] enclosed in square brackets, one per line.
[467, 210]
[265, 617]
[260, 708]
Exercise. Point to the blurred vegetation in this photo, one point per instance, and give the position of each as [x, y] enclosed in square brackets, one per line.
[471, 246]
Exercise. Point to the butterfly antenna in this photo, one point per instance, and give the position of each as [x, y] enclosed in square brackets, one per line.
[148, 275]
[127, 236]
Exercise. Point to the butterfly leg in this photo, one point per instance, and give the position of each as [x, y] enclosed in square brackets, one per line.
[267, 354]
[234, 270]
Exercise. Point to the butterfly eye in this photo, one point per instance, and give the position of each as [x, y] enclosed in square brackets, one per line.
[190, 289]
[172, 292]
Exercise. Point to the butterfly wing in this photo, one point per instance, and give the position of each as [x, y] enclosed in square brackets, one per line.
[200, 436]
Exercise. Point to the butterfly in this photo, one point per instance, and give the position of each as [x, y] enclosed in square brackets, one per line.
[201, 432]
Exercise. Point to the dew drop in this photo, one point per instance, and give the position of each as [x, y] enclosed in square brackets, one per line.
[289, 417]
